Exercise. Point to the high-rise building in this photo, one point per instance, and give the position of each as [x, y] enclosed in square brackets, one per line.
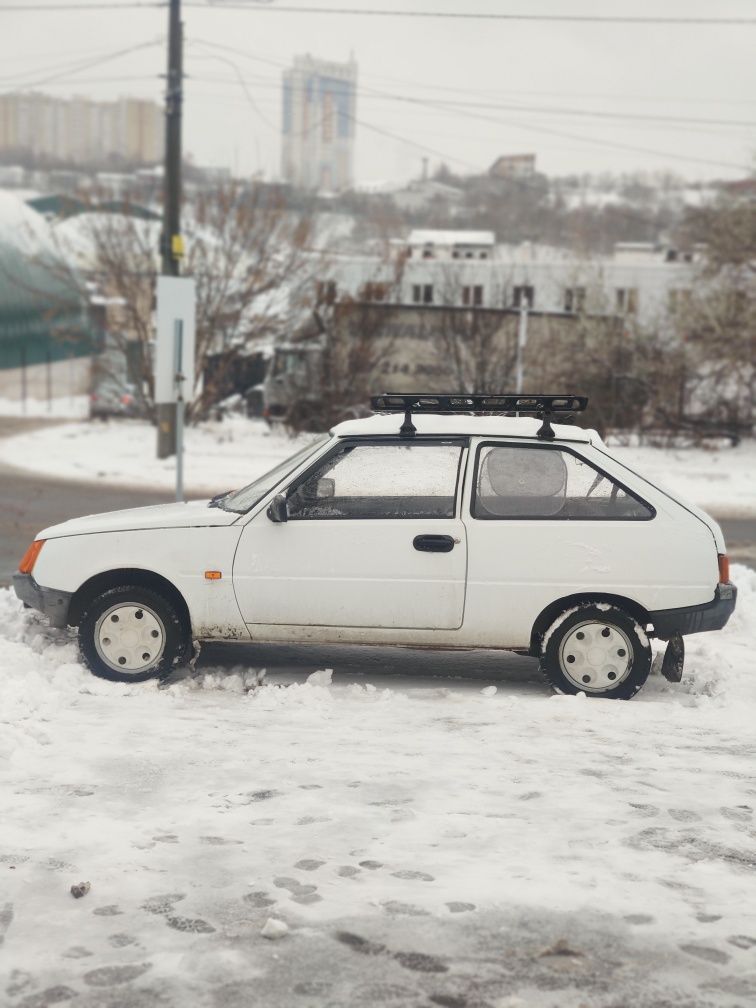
[79, 131]
[319, 104]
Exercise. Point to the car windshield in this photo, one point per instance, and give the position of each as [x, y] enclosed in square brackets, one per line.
[246, 498]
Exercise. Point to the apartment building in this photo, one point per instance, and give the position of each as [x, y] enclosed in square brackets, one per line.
[79, 131]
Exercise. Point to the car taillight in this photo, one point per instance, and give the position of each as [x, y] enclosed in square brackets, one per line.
[724, 568]
[30, 557]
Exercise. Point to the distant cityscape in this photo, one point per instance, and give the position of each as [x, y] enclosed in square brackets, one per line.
[78, 131]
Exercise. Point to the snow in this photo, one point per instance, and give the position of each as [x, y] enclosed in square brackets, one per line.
[65, 407]
[219, 456]
[232, 452]
[414, 836]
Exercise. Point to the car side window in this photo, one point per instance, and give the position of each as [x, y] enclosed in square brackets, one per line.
[513, 481]
[380, 481]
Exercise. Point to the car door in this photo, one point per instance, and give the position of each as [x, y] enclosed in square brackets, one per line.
[373, 539]
[545, 523]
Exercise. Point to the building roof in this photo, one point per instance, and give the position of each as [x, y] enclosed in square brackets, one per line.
[431, 237]
[463, 423]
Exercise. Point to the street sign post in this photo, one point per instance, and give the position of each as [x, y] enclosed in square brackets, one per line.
[174, 356]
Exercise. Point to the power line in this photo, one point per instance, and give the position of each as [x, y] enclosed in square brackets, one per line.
[483, 16]
[444, 106]
[373, 12]
[85, 65]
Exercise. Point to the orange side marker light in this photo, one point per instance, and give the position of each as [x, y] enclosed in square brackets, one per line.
[213, 575]
[30, 557]
[724, 568]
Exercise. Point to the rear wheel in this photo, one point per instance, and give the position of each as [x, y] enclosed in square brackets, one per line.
[132, 634]
[597, 649]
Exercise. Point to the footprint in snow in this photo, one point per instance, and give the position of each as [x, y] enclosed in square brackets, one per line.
[711, 955]
[457, 906]
[404, 909]
[408, 873]
[162, 904]
[645, 810]
[193, 925]
[684, 815]
[371, 865]
[309, 864]
[742, 941]
[109, 976]
[347, 871]
[121, 940]
[258, 899]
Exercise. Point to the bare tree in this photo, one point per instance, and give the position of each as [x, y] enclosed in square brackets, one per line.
[248, 254]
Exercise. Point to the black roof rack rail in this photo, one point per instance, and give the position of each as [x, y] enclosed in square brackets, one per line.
[544, 406]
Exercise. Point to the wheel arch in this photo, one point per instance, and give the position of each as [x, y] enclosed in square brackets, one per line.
[102, 582]
[553, 610]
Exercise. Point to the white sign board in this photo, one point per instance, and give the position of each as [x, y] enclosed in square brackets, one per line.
[175, 317]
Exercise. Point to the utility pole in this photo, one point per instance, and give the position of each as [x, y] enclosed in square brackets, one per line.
[171, 241]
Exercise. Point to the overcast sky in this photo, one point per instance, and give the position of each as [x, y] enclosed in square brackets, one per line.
[544, 73]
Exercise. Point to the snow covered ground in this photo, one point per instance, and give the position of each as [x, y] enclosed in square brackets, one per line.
[425, 842]
[221, 455]
[74, 407]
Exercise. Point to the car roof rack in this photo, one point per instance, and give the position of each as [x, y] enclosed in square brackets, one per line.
[543, 406]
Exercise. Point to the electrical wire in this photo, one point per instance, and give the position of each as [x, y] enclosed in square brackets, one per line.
[620, 19]
[85, 65]
[531, 127]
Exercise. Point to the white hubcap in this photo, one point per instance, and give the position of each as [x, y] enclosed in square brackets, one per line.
[596, 656]
[130, 638]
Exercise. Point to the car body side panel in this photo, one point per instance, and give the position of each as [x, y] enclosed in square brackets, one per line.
[516, 567]
[180, 555]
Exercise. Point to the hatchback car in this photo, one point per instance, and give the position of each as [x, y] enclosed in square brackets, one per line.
[457, 528]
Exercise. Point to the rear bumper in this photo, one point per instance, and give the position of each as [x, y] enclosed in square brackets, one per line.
[696, 619]
[50, 602]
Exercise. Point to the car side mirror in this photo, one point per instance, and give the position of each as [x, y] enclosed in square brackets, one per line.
[326, 487]
[277, 509]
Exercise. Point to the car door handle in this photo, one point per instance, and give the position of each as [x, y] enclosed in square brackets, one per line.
[434, 543]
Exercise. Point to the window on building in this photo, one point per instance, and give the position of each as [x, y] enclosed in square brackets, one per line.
[374, 291]
[417, 293]
[627, 300]
[574, 300]
[427, 253]
[524, 294]
[472, 295]
[427, 293]
[483, 255]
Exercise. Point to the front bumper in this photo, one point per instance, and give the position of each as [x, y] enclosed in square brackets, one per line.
[696, 619]
[49, 601]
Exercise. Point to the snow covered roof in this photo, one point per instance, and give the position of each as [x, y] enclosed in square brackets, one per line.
[431, 237]
[478, 426]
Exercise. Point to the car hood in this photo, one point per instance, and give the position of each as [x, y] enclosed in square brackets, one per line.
[193, 514]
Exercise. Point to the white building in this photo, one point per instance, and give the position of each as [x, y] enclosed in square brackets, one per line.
[318, 129]
[638, 281]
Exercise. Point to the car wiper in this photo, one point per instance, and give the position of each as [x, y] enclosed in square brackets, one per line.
[216, 501]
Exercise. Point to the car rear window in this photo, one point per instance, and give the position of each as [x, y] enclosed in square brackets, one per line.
[520, 481]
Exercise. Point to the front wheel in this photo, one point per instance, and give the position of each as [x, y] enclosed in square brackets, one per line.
[131, 634]
[597, 649]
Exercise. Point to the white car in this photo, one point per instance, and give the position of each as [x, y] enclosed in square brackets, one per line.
[453, 530]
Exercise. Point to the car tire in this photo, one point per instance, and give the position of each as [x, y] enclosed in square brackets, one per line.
[132, 634]
[597, 649]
